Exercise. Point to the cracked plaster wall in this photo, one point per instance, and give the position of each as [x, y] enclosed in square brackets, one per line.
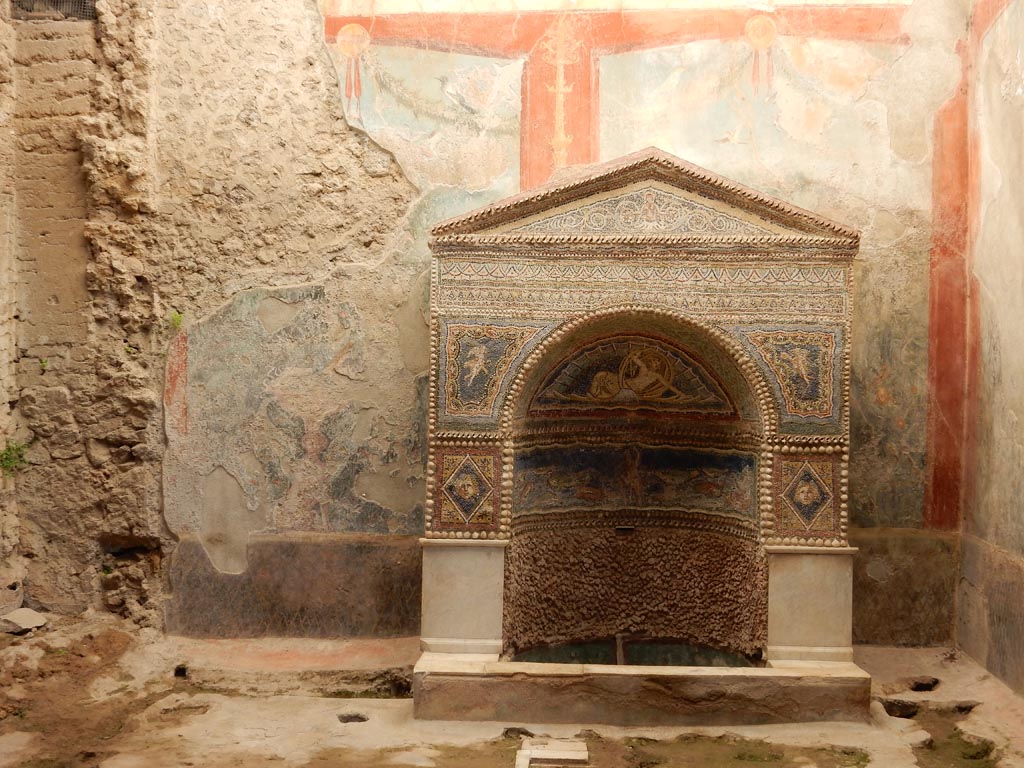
[292, 407]
[991, 623]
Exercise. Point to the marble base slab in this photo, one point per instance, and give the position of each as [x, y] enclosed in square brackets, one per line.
[450, 686]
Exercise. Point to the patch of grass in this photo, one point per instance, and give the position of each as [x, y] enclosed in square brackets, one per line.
[12, 457]
[854, 758]
[175, 319]
[758, 756]
[949, 748]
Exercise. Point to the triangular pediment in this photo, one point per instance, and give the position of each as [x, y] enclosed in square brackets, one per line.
[644, 208]
[649, 195]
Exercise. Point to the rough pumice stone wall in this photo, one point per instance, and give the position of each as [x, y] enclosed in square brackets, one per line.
[590, 582]
[991, 622]
[10, 570]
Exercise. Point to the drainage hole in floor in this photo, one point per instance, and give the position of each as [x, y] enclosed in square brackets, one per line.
[352, 717]
[901, 708]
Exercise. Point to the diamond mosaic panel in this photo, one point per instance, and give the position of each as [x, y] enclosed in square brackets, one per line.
[467, 489]
[805, 496]
[467, 486]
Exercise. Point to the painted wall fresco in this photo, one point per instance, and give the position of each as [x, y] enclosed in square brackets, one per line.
[999, 271]
[830, 107]
[819, 119]
[990, 621]
[273, 425]
[450, 118]
[640, 477]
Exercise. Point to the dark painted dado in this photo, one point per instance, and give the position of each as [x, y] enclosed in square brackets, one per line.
[991, 609]
[299, 585]
[904, 582]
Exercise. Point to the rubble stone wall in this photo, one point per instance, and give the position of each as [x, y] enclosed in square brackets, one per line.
[10, 571]
[59, 492]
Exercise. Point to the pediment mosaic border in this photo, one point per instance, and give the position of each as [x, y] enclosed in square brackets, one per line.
[649, 164]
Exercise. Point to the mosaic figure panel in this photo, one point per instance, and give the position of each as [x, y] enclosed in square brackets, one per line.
[558, 478]
[477, 360]
[467, 488]
[647, 210]
[806, 496]
[804, 368]
[636, 373]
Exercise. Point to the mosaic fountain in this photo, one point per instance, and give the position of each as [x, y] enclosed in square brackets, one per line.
[639, 440]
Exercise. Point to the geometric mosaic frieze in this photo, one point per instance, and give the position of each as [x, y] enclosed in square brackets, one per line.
[806, 496]
[477, 357]
[467, 489]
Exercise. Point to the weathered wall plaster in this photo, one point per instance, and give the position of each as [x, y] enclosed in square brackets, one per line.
[991, 623]
[836, 111]
[210, 146]
[291, 406]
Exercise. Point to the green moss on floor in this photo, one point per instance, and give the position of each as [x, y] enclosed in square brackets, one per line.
[949, 748]
[683, 752]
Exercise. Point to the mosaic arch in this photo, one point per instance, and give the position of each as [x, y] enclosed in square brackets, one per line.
[649, 361]
[630, 456]
[606, 418]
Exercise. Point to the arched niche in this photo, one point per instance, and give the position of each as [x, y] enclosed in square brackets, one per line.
[635, 441]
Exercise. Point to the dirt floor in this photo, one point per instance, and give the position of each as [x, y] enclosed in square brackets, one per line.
[96, 693]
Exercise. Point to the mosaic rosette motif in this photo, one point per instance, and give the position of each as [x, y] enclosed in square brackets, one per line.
[806, 497]
[477, 359]
[467, 488]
